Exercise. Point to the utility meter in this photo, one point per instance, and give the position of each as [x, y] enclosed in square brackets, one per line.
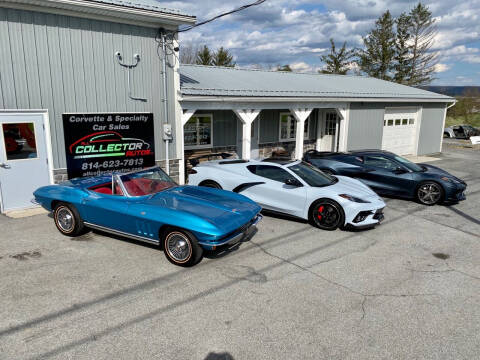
[167, 132]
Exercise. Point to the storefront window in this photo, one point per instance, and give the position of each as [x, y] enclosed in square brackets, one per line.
[19, 139]
[288, 127]
[198, 132]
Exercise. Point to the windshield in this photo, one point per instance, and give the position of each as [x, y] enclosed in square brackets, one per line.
[408, 164]
[311, 175]
[146, 182]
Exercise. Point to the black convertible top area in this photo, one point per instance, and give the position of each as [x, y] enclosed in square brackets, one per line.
[319, 154]
[279, 160]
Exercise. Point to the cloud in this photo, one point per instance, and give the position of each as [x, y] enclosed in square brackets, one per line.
[296, 32]
[441, 67]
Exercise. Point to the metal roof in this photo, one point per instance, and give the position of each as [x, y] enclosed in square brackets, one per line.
[198, 80]
[152, 5]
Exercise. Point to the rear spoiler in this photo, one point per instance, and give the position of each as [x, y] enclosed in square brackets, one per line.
[196, 160]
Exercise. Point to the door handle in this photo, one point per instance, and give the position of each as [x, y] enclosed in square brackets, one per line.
[5, 166]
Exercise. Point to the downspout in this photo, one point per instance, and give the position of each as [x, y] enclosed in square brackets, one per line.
[454, 102]
[165, 107]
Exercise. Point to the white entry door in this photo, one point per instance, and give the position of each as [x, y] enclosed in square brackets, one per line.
[23, 159]
[329, 128]
[400, 130]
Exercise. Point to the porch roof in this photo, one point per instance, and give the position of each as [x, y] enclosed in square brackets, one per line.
[209, 81]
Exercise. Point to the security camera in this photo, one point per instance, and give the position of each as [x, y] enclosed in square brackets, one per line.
[136, 57]
[176, 48]
[118, 54]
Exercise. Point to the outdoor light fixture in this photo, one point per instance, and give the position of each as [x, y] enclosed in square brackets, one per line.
[136, 57]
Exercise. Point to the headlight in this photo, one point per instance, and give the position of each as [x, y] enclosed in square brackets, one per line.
[353, 198]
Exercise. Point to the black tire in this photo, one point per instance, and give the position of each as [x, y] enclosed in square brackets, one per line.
[68, 220]
[430, 193]
[327, 214]
[446, 135]
[181, 247]
[210, 184]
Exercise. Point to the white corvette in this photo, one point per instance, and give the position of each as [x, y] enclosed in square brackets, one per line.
[295, 188]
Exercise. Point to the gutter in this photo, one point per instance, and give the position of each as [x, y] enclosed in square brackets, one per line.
[101, 11]
[250, 99]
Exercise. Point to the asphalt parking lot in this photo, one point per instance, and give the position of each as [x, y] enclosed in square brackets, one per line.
[408, 289]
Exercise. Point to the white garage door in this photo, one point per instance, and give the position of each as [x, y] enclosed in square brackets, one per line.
[400, 130]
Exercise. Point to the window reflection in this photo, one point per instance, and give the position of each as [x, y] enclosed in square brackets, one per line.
[19, 139]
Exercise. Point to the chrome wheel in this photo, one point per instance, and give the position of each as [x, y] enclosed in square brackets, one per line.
[178, 247]
[429, 193]
[65, 219]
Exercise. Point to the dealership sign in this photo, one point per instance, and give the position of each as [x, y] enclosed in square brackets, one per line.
[102, 143]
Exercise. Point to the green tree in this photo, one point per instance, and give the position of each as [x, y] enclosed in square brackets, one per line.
[337, 62]
[284, 68]
[204, 56]
[222, 57]
[422, 32]
[403, 59]
[377, 58]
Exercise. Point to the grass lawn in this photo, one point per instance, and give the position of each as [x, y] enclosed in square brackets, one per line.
[475, 121]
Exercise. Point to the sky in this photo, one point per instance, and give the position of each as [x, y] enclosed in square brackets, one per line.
[297, 32]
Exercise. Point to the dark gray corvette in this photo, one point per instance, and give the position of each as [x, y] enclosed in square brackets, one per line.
[390, 174]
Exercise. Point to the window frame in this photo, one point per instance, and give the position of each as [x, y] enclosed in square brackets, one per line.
[206, 146]
[37, 156]
[306, 134]
[271, 166]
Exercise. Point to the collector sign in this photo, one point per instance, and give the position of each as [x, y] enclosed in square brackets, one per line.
[102, 143]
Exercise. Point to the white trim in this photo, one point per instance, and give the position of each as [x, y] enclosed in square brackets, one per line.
[443, 126]
[194, 147]
[418, 125]
[185, 116]
[101, 11]
[344, 118]
[315, 102]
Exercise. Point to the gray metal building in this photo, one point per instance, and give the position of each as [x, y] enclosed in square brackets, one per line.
[69, 65]
[255, 113]
[58, 57]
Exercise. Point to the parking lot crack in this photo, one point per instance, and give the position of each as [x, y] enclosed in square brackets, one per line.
[364, 296]
[462, 272]
[334, 258]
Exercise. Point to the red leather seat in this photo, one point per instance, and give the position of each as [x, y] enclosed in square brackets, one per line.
[104, 190]
[133, 189]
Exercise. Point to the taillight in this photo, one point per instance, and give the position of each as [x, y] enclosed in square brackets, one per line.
[192, 171]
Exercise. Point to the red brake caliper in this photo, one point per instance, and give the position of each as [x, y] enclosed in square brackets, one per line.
[320, 211]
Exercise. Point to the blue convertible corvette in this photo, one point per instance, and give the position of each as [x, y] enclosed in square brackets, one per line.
[148, 205]
[390, 174]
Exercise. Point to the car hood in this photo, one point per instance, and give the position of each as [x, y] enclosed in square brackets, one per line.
[437, 171]
[223, 209]
[347, 185]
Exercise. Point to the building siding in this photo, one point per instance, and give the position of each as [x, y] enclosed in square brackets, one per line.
[365, 128]
[66, 64]
[431, 128]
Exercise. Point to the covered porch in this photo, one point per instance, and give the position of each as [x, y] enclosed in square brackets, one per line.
[260, 130]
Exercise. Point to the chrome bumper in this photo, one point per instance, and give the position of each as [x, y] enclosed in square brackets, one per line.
[237, 237]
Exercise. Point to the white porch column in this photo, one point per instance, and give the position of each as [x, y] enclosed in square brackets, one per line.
[246, 117]
[320, 125]
[300, 116]
[186, 115]
[342, 129]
